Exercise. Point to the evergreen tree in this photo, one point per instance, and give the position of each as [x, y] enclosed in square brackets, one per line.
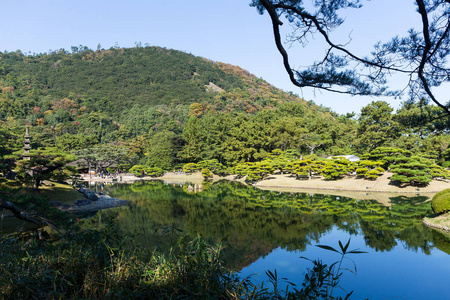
[43, 164]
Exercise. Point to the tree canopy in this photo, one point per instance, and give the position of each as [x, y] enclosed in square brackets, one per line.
[421, 55]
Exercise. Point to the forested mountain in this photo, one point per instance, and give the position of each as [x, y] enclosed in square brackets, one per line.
[167, 107]
[116, 80]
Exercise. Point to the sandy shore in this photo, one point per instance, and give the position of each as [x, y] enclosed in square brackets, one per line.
[382, 184]
[441, 222]
[380, 190]
[123, 178]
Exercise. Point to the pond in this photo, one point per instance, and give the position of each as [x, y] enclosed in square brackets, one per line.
[269, 230]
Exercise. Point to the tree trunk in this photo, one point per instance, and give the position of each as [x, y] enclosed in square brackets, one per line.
[37, 183]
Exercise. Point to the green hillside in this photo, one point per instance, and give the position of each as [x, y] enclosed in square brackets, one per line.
[115, 80]
[168, 107]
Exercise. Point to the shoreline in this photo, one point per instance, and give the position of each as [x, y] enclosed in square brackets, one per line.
[351, 184]
[380, 190]
[289, 183]
[269, 187]
[433, 223]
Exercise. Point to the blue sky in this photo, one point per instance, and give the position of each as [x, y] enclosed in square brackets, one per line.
[228, 31]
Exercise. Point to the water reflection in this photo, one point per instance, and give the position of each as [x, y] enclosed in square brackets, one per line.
[272, 229]
[255, 222]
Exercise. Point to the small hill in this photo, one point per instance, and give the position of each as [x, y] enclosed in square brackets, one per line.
[119, 79]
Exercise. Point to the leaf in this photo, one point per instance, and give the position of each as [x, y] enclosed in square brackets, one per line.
[356, 252]
[348, 295]
[346, 246]
[302, 257]
[327, 248]
[271, 275]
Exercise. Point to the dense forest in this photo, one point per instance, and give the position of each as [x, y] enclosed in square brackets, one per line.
[165, 108]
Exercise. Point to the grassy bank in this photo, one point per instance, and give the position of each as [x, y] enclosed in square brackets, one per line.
[441, 222]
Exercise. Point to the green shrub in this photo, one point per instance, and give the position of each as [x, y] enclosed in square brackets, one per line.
[154, 171]
[337, 168]
[190, 167]
[206, 173]
[361, 171]
[213, 165]
[413, 170]
[372, 174]
[138, 170]
[446, 164]
[439, 172]
[446, 191]
[441, 201]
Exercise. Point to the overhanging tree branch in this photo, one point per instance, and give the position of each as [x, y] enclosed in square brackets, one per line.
[426, 34]
[422, 56]
[276, 23]
[23, 216]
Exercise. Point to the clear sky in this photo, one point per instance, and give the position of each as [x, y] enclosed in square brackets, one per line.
[228, 31]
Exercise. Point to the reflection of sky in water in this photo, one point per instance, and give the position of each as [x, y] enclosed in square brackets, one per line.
[397, 274]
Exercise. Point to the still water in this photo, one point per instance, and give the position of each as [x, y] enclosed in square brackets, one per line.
[272, 230]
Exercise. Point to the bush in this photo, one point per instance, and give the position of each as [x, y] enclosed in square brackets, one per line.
[154, 171]
[337, 168]
[441, 201]
[213, 165]
[361, 172]
[138, 170]
[414, 171]
[372, 174]
[190, 167]
[206, 173]
[446, 191]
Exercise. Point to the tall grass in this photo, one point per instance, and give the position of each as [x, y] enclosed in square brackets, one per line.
[90, 264]
[96, 264]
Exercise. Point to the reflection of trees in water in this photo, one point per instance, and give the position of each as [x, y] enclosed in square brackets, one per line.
[409, 200]
[441, 240]
[255, 221]
[377, 238]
